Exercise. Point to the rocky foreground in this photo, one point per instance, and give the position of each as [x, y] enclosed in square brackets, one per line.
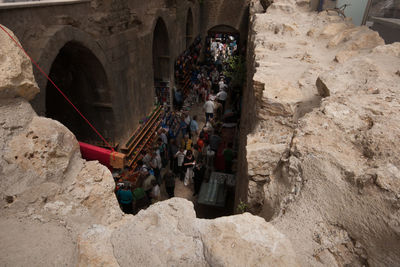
[323, 156]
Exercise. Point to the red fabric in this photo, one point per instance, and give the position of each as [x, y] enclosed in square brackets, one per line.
[90, 152]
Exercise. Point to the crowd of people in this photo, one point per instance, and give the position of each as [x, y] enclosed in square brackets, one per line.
[185, 151]
[221, 46]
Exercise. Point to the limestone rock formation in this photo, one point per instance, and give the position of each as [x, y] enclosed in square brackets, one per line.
[49, 195]
[16, 77]
[168, 234]
[322, 158]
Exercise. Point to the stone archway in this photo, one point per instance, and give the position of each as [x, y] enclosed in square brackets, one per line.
[161, 63]
[82, 78]
[53, 41]
[189, 28]
[222, 28]
[161, 52]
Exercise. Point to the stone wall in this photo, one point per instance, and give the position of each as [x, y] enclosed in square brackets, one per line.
[318, 154]
[231, 13]
[118, 33]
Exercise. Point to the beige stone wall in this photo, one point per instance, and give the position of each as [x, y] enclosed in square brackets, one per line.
[319, 160]
[224, 12]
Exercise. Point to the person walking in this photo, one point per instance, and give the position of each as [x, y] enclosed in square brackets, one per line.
[155, 192]
[222, 96]
[180, 156]
[194, 128]
[156, 165]
[209, 109]
[199, 172]
[188, 163]
[172, 150]
[125, 197]
[187, 143]
[169, 180]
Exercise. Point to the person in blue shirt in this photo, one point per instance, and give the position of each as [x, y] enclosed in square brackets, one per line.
[182, 127]
[125, 198]
[194, 128]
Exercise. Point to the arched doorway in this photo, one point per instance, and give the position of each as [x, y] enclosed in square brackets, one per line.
[189, 28]
[223, 29]
[222, 43]
[161, 62]
[81, 76]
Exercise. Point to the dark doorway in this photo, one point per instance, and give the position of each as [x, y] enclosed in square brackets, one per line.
[189, 28]
[80, 75]
[161, 61]
[161, 52]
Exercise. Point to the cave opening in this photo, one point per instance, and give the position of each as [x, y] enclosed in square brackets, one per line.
[82, 78]
[161, 62]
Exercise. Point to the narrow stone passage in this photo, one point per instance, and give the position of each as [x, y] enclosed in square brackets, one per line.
[203, 122]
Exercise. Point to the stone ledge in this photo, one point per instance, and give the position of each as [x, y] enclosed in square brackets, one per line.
[40, 4]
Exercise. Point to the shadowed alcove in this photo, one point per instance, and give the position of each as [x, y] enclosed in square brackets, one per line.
[161, 55]
[189, 28]
[81, 76]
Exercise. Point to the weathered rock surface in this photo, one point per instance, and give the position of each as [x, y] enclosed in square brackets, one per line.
[30, 242]
[332, 186]
[41, 153]
[168, 234]
[49, 195]
[16, 77]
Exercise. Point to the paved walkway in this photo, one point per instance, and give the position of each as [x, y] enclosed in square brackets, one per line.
[180, 189]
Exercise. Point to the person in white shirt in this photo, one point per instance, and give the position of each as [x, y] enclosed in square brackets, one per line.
[214, 47]
[163, 136]
[214, 75]
[156, 165]
[155, 192]
[187, 119]
[209, 109]
[180, 156]
[222, 96]
[222, 85]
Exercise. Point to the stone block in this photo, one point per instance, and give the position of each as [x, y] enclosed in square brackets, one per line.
[16, 76]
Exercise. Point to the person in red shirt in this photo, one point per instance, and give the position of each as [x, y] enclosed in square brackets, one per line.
[200, 144]
[204, 134]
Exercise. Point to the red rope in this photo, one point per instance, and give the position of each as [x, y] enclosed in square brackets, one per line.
[59, 90]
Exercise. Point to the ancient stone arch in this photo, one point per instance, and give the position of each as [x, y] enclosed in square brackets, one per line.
[189, 28]
[78, 66]
[223, 28]
[161, 52]
[82, 78]
[52, 41]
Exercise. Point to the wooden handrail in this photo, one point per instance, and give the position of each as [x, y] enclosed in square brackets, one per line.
[145, 131]
[146, 141]
[132, 140]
